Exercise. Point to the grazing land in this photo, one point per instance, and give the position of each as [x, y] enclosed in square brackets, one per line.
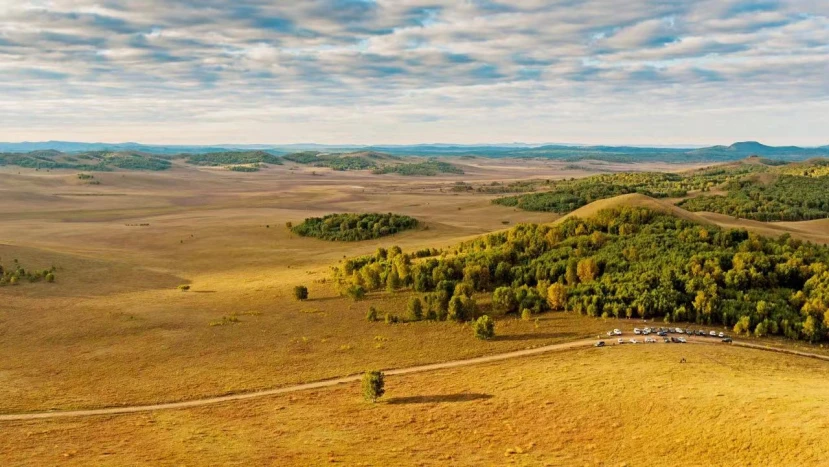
[179, 284]
[632, 404]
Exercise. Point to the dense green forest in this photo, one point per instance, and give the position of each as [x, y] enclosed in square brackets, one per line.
[92, 161]
[624, 262]
[427, 168]
[213, 159]
[14, 274]
[354, 227]
[332, 161]
[813, 168]
[787, 198]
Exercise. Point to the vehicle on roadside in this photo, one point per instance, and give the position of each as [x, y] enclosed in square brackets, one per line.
[609, 333]
[721, 335]
[727, 340]
[617, 332]
[600, 344]
[701, 332]
[620, 341]
[713, 334]
[689, 332]
[637, 331]
[650, 340]
[675, 340]
[633, 341]
[678, 330]
[682, 340]
[666, 340]
[662, 333]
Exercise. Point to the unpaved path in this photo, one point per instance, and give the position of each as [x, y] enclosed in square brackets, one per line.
[348, 379]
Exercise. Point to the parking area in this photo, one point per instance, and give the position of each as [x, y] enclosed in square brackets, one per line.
[654, 335]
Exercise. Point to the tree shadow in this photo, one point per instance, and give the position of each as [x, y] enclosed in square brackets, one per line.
[323, 299]
[462, 397]
[534, 336]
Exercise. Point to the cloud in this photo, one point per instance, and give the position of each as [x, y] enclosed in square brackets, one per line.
[364, 71]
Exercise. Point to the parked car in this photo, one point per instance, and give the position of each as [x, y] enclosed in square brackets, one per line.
[713, 334]
[609, 333]
[662, 333]
[617, 332]
[682, 340]
[650, 340]
[701, 332]
[728, 340]
[689, 332]
[637, 331]
[678, 330]
[721, 335]
[600, 344]
[666, 340]
[675, 340]
[633, 341]
[620, 341]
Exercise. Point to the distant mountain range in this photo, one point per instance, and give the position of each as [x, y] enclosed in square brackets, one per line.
[734, 151]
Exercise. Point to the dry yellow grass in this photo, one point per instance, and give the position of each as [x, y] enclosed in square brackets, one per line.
[113, 330]
[633, 405]
[635, 200]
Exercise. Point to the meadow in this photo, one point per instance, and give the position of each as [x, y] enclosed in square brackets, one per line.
[115, 329]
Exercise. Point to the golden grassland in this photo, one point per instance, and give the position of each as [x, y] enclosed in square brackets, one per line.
[114, 330]
[629, 405]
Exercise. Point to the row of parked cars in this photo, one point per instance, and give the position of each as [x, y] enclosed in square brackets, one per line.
[664, 333]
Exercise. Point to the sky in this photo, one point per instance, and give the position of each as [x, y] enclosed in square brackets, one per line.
[410, 71]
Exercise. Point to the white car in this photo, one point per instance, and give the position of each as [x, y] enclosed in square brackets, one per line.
[617, 332]
[637, 331]
[650, 340]
[678, 330]
[713, 334]
[633, 341]
[610, 333]
[682, 340]
[646, 330]
[721, 335]
[620, 341]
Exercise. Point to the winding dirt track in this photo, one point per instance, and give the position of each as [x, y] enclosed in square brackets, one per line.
[346, 379]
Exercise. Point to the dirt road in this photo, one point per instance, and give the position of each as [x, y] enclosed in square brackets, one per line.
[351, 379]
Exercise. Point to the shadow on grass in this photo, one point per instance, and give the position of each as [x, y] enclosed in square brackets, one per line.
[536, 335]
[463, 397]
[203, 291]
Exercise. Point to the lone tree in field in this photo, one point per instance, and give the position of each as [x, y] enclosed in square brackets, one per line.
[484, 328]
[300, 292]
[373, 385]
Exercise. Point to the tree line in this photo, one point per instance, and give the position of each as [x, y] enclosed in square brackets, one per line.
[16, 273]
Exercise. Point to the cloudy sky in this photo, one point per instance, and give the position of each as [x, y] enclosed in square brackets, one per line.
[411, 71]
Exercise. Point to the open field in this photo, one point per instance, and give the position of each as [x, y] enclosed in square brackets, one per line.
[631, 405]
[113, 330]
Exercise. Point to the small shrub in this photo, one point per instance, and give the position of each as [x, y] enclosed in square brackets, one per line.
[372, 314]
[301, 292]
[526, 314]
[391, 319]
[484, 328]
[50, 277]
[373, 385]
[183, 287]
[356, 292]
